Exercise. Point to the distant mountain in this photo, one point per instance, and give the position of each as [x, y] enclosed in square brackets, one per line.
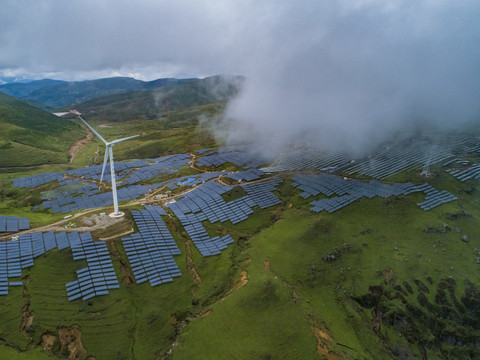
[13, 79]
[21, 89]
[151, 104]
[31, 136]
[56, 94]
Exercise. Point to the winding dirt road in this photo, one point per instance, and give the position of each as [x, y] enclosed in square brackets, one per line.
[79, 144]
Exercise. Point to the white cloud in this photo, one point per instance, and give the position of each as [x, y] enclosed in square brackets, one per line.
[340, 71]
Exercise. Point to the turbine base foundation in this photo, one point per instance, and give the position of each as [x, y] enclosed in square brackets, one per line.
[116, 216]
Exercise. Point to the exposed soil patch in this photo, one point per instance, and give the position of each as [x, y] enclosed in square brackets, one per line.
[266, 265]
[206, 313]
[71, 342]
[127, 276]
[243, 280]
[27, 319]
[323, 339]
[91, 223]
[27, 314]
[190, 266]
[117, 235]
[48, 341]
[79, 144]
[240, 283]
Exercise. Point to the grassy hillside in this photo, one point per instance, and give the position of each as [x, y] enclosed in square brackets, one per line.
[175, 132]
[153, 104]
[31, 136]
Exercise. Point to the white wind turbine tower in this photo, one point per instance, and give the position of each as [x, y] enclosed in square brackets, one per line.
[109, 153]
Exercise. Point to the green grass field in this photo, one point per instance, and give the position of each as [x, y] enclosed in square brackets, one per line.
[272, 294]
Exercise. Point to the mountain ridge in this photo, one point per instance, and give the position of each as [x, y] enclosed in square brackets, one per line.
[48, 93]
[151, 104]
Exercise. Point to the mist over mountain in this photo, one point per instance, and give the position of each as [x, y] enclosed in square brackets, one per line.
[55, 93]
[150, 104]
[340, 74]
[348, 76]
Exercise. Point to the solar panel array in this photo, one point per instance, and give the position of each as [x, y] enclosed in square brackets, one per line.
[162, 165]
[89, 172]
[434, 197]
[385, 161]
[205, 244]
[20, 254]
[261, 194]
[390, 160]
[201, 151]
[37, 180]
[206, 203]
[237, 155]
[303, 159]
[348, 191]
[465, 144]
[95, 172]
[150, 252]
[470, 172]
[13, 223]
[64, 204]
[193, 180]
[99, 275]
[247, 175]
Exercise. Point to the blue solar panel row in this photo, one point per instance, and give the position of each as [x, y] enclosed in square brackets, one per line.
[37, 180]
[465, 173]
[385, 161]
[162, 165]
[206, 203]
[20, 254]
[150, 252]
[261, 194]
[64, 204]
[310, 159]
[238, 155]
[94, 172]
[99, 275]
[205, 244]
[351, 190]
[193, 180]
[89, 172]
[13, 223]
[247, 175]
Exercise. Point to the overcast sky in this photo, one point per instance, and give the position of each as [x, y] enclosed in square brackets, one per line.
[336, 71]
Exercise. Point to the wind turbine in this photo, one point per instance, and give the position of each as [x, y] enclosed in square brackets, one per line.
[109, 153]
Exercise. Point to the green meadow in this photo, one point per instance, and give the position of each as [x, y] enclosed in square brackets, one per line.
[276, 293]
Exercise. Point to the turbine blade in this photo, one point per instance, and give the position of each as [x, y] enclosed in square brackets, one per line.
[120, 140]
[104, 163]
[93, 130]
